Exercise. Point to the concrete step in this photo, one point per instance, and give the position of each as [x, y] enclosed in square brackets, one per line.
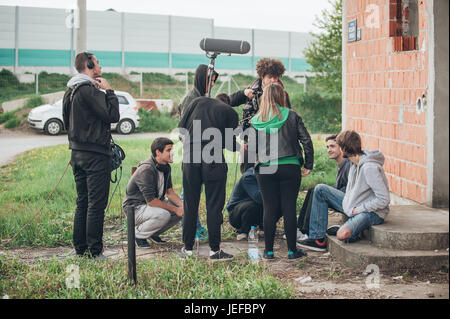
[412, 228]
[361, 254]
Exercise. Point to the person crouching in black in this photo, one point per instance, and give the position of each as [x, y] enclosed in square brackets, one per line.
[88, 114]
[245, 206]
[204, 127]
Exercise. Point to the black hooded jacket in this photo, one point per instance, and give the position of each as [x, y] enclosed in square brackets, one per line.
[198, 90]
[210, 113]
[88, 115]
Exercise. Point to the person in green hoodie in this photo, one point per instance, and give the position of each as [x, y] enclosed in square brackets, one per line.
[279, 160]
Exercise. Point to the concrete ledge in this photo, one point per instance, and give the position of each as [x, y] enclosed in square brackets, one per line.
[361, 254]
[49, 98]
[412, 228]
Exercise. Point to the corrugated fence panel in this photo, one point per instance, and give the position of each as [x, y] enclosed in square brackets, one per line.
[146, 33]
[271, 43]
[299, 43]
[104, 31]
[7, 35]
[44, 40]
[146, 40]
[7, 23]
[43, 29]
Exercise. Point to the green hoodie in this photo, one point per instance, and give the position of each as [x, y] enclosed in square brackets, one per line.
[273, 126]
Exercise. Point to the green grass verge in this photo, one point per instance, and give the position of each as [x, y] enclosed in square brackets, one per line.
[158, 278]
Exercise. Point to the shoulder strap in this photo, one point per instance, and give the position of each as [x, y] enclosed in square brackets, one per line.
[75, 89]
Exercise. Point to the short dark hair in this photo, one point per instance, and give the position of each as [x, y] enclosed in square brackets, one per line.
[81, 61]
[350, 143]
[224, 98]
[160, 144]
[331, 137]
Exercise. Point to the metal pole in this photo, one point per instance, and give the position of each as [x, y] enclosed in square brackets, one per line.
[170, 45]
[122, 38]
[72, 37]
[131, 245]
[16, 42]
[37, 83]
[82, 30]
[253, 52]
[290, 57]
[187, 82]
[142, 79]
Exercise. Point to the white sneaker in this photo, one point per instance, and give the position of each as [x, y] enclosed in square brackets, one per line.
[301, 236]
[186, 253]
[241, 236]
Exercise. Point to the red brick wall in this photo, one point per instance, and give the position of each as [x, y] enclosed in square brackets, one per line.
[382, 86]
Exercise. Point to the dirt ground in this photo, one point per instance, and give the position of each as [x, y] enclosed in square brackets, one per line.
[317, 276]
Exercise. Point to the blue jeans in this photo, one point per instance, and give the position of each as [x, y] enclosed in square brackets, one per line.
[326, 196]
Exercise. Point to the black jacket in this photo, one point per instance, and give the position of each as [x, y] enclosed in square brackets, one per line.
[239, 98]
[198, 90]
[210, 113]
[290, 134]
[88, 118]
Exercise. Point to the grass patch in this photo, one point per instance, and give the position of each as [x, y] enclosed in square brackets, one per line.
[168, 277]
[156, 121]
[13, 122]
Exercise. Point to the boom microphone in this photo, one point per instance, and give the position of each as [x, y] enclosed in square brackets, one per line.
[224, 46]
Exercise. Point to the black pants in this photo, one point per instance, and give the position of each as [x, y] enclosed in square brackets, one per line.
[92, 175]
[279, 192]
[246, 214]
[214, 177]
[305, 212]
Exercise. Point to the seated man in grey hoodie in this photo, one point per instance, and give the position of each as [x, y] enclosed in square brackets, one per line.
[365, 202]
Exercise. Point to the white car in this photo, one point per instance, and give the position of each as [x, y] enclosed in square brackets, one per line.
[49, 117]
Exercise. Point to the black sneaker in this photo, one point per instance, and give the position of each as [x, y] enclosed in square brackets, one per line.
[221, 256]
[268, 255]
[156, 239]
[297, 254]
[352, 239]
[313, 244]
[142, 243]
[332, 230]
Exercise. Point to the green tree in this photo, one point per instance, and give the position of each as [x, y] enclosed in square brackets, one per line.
[324, 53]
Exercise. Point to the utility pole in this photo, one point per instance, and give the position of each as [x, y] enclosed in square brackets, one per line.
[82, 29]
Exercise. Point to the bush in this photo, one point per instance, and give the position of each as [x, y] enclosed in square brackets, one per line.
[6, 117]
[320, 112]
[12, 122]
[34, 101]
[156, 121]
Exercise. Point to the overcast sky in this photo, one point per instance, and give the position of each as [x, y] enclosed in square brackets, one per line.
[286, 15]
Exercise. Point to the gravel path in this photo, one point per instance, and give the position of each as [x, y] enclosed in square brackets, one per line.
[13, 143]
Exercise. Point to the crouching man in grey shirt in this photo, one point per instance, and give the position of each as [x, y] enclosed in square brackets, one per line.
[147, 190]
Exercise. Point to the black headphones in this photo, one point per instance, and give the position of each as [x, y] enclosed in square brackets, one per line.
[90, 63]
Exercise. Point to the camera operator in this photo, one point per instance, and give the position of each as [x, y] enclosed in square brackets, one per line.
[88, 114]
[269, 71]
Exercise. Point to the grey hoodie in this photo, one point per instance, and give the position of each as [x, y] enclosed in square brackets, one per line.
[367, 187]
[79, 78]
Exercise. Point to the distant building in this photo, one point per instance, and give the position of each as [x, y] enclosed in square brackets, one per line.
[395, 91]
[41, 39]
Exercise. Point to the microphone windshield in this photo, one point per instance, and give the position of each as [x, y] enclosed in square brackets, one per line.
[224, 46]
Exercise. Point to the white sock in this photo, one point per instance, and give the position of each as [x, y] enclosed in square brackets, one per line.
[213, 252]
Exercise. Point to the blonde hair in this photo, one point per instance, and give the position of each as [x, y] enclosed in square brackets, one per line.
[273, 95]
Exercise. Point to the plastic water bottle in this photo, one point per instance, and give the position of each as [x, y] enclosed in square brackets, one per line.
[253, 251]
